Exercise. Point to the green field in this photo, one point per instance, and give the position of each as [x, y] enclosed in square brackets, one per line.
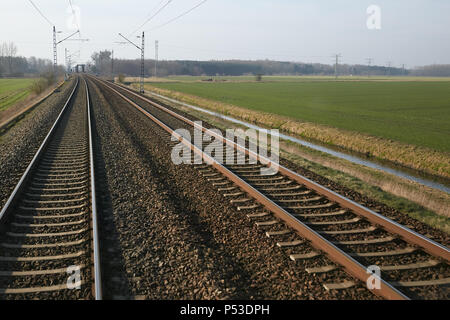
[415, 112]
[13, 91]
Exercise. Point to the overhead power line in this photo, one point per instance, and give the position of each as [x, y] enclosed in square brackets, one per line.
[75, 17]
[181, 15]
[154, 8]
[152, 16]
[336, 65]
[40, 12]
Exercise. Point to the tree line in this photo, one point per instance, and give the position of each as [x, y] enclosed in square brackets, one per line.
[102, 64]
[12, 65]
[436, 70]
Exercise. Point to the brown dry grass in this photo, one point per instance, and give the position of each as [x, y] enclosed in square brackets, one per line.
[432, 199]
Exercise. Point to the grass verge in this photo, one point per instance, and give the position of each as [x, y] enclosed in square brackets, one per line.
[13, 91]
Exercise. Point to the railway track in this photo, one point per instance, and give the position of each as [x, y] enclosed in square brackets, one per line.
[49, 241]
[298, 213]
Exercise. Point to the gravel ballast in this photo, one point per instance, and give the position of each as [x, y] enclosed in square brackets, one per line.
[19, 144]
[168, 234]
[428, 293]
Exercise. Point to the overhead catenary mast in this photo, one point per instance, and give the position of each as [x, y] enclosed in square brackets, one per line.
[142, 63]
[66, 59]
[336, 65]
[142, 58]
[369, 62]
[156, 57]
[55, 42]
[55, 45]
[112, 64]
[55, 51]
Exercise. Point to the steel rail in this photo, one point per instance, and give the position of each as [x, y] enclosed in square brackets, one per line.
[409, 235]
[352, 266]
[95, 233]
[15, 195]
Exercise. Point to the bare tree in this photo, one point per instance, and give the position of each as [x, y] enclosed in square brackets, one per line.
[102, 61]
[8, 52]
[12, 51]
[3, 54]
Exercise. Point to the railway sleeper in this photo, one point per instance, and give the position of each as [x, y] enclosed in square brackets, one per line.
[45, 245]
[339, 285]
[33, 225]
[304, 256]
[424, 283]
[39, 289]
[407, 250]
[323, 269]
[331, 223]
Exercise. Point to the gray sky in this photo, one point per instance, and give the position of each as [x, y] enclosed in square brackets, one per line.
[413, 32]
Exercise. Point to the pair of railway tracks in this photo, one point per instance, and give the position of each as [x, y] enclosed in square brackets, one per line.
[49, 224]
[299, 213]
[49, 241]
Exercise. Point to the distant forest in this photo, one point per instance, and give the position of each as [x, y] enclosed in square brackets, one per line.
[102, 64]
[12, 65]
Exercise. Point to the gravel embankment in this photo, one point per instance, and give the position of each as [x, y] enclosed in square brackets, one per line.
[19, 144]
[168, 234]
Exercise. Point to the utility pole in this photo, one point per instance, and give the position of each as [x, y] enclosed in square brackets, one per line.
[55, 52]
[65, 57]
[69, 59]
[369, 62]
[389, 68]
[142, 63]
[336, 65]
[156, 56]
[112, 64]
[403, 68]
[142, 58]
[55, 44]
[66, 75]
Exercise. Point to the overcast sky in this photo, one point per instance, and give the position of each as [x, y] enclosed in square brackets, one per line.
[413, 32]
